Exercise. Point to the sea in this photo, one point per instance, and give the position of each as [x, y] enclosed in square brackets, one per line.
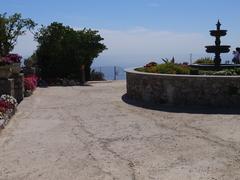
[111, 72]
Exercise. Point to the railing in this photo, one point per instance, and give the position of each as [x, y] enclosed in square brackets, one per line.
[111, 72]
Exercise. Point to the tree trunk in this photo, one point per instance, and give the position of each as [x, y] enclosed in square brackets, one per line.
[88, 72]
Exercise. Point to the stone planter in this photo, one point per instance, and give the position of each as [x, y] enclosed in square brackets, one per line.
[5, 71]
[176, 89]
[16, 68]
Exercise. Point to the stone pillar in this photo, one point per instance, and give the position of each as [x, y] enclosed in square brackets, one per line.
[19, 87]
[7, 86]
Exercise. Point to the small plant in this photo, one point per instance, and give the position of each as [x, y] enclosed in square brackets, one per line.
[151, 64]
[166, 60]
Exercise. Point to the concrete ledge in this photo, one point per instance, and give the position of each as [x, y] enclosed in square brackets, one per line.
[183, 89]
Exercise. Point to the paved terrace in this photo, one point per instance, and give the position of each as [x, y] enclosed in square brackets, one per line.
[93, 133]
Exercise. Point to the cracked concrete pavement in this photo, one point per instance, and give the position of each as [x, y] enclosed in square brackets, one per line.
[90, 133]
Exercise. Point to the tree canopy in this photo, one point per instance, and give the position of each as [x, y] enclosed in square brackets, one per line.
[11, 27]
[62, 50]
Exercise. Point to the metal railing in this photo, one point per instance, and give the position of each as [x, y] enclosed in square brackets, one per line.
[111, 72]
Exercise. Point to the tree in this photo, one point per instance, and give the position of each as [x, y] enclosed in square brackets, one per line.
[90, 48]
[62, 50]
[11, 28]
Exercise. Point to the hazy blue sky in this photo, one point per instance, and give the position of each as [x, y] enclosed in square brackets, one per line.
[137, 31]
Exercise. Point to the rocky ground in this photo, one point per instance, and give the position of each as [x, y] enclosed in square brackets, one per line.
[93, 133]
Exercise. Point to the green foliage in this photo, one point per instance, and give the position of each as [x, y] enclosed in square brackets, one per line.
[11, 27]
[62, 50]
[167, 68]
[205, 60]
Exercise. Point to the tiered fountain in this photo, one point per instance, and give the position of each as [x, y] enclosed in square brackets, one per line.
[218, 48]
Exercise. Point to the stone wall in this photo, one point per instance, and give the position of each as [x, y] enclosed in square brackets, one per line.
[13, 86]
[184, 89]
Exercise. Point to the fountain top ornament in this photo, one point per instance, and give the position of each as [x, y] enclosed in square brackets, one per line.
[218, 48]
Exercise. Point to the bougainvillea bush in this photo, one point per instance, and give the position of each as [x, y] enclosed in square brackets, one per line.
[30, 82]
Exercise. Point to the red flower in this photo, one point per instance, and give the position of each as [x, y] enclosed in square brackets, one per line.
[4, 105]
[11, 58]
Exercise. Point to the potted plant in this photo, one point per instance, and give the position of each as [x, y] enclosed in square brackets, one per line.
[9, 65]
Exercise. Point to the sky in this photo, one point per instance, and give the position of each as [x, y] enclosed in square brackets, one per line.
[136, 31]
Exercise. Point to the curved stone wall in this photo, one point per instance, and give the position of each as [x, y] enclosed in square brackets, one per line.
[183, 89]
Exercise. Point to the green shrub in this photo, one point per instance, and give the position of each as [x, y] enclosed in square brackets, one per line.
[205, 60]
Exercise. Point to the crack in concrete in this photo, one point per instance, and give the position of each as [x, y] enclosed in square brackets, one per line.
[105, 143]
[131, 164]
[214, 139]
[101, 169]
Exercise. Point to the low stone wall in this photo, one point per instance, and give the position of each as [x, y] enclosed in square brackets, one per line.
[183, 89]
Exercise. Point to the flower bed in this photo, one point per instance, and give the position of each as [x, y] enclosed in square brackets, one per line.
[173, 68]
[8, 106]
[166, 68]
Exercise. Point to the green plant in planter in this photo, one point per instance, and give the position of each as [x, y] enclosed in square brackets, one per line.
[166, 60]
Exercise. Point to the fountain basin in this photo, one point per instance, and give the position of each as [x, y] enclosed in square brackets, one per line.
[218, 33]
[219, 49]
[213, 67]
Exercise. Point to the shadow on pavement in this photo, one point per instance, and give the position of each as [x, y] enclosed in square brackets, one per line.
[182, 108]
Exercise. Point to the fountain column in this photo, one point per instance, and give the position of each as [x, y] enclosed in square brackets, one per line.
[218, 48]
